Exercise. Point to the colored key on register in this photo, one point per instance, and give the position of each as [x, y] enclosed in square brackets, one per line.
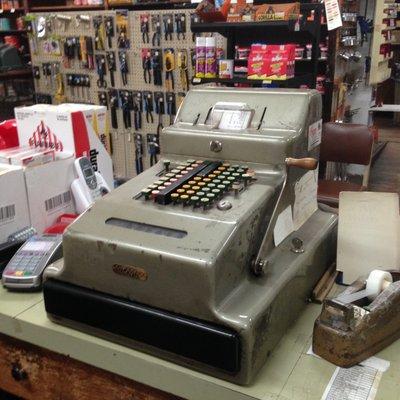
[196, 183]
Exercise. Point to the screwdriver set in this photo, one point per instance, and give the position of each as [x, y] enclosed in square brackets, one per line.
[138, 64]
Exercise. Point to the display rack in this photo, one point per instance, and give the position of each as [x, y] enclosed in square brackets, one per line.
[271, 32]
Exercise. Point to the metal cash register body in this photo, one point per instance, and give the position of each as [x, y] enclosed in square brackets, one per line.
[180, 261]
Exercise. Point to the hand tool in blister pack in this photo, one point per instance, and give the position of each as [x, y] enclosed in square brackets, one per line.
[193, 61]
[60, 89]
[114, 104]
[148, 106]
[110, 30]
[46, 69]
[122, 29]
[146, 65]
[156, 25]
[62, 21]
[101, 70]
[103, 99]
[70, 84]
[138, 139]
[156, 66]
[168, 26]
[160, 109]
[194, 19]
[112, 66]
[179, 99]
[153, 147]
[36, 72]
[123, 66]
[137, 109]
[180, 26]
[69, 52]
[99, 33]
[126, 106]
[89, 52]
[169, 66]
[182, 62]
[41, 98]
[145, 27]
[83, 52]
[83, 19]
[171, 106]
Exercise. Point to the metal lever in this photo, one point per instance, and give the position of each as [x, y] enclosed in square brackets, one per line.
[303, 163]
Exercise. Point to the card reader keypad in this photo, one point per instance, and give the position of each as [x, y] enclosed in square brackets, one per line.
[24, 263]
[198, 183]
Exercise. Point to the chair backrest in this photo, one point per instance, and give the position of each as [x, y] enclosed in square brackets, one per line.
[346, 143]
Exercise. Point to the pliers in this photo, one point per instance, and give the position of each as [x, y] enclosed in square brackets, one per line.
[156, 39]
[169, 70]
[149, 109]
[137, 114]
[179, 20]
[146, 63]
[168, 29]
[123, 66]
[144, 27]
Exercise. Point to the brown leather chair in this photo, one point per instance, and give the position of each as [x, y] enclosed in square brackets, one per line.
[344, 143]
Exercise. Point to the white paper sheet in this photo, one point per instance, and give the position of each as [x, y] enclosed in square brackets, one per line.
[368, 234]
[284, 226]
[333, 15]
[305, 203]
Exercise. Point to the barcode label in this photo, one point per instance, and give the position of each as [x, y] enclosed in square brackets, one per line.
[57, 201]
[7, 213]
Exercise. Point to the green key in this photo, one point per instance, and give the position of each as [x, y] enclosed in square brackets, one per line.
[169, 175]
[205, 202]
[231, 179]
[146, 193]
[217, 192]
[211, 196]
[201, 194]
[211, 185]
[163, 179]
[221, 187]
[206, 190]
[230, 170]
[240, 171]
[235, 166]
[217, 181]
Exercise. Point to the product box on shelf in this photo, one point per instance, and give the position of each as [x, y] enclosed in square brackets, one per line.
[48, 187]
[26, 156]
[274, 62]
[14, 211]
[74, 128]
[272, 12]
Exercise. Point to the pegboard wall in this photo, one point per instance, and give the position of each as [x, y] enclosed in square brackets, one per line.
[134, 132]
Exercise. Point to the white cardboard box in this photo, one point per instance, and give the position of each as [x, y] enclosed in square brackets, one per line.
[14, 211]
[49, 191]
[75, 128]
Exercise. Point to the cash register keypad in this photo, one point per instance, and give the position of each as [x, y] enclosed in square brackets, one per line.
[198, 183]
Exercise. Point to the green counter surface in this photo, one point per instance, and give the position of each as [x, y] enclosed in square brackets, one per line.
[289, 374]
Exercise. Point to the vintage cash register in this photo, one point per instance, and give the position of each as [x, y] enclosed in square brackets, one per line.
[207, 257]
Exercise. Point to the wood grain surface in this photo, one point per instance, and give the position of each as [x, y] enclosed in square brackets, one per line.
[34, 373]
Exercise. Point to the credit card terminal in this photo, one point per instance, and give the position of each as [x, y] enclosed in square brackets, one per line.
[89, 185]
[25, 269]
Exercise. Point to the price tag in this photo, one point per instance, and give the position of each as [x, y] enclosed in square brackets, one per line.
[196, 80]
[235, 120]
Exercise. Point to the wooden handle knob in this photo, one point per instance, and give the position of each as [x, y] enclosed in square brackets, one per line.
[304, 163]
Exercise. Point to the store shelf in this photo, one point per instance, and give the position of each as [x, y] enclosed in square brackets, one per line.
[161, 5]
[13, 32]
[305, 79]
[67, 8]
[13, 11]
[15, 74]
[224, 28]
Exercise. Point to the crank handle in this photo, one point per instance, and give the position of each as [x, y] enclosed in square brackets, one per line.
[303, 163]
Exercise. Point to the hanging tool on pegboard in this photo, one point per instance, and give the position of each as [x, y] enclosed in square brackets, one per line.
[171, 106]
[156, 66]
[114, 105]
[123, 66]
[168, 26]
[137, 110]
[126, 106]
[101, 71]
[160, 109]
[180, 26]
[112, 66]
[148, 106]
[99, 33]
[182, 63]
[153, 147]
[145, 27]
[138, 140]
[146, 65]
[156, 25]
[110, 31]
[169, 66]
